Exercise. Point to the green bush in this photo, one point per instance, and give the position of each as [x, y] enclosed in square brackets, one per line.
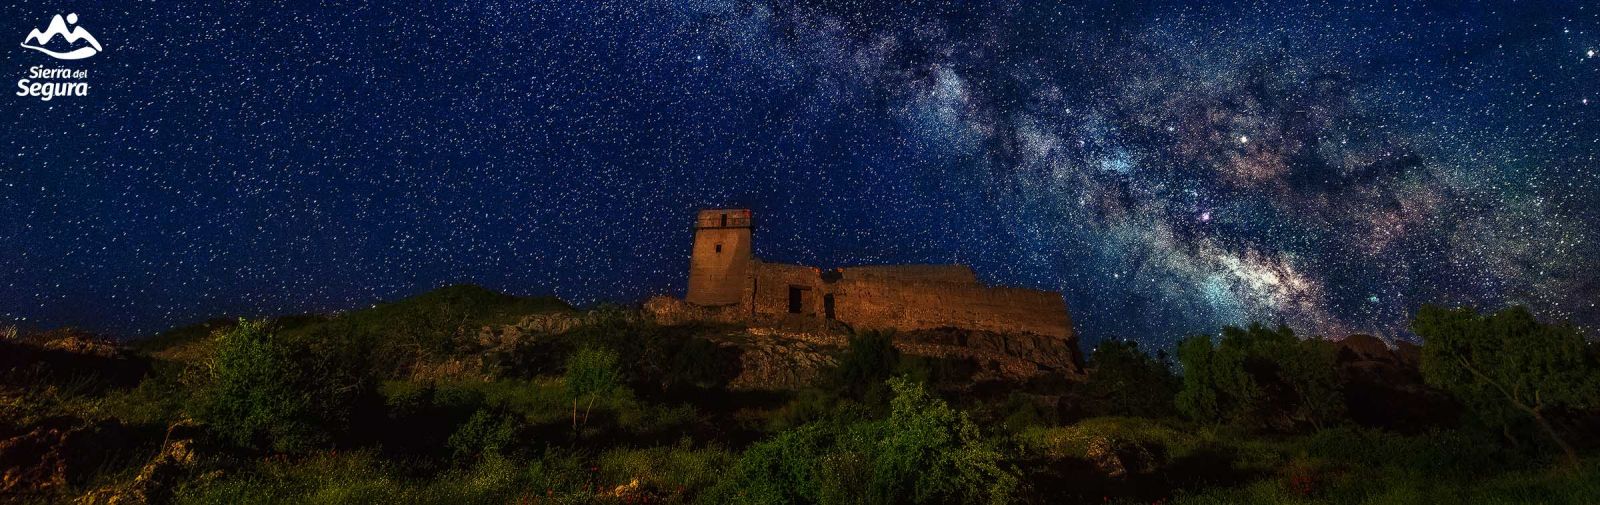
[865, 364]
[932, 453]
[263, 390]
[924, 452]
[1124, 381]
[486, 433]
[696, 363]
[1260, 377]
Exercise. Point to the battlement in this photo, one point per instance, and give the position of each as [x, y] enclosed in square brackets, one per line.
[723, 218]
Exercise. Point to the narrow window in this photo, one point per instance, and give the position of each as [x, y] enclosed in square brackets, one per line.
[719, 248]
[827, 305]
[724, 220]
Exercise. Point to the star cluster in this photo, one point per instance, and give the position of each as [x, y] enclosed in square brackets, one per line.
[1170, 167]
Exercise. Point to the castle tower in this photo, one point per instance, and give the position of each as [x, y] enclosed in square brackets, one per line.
[720, 264]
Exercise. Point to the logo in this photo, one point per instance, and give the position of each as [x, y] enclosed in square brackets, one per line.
[72, 34]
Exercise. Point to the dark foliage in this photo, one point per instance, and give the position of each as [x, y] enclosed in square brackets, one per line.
[1260, 377]
[1124, 381]
[1507, 366]
[265, 390]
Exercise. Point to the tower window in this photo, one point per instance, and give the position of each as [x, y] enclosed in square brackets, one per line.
[719, 248]
[724, 220]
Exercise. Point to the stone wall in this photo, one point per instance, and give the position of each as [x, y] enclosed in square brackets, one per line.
[919, 305]
[916, 297]
[938, 273]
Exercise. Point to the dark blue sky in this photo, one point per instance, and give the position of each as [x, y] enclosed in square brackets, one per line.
[1170, 167]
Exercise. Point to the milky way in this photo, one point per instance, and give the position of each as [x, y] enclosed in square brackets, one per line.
[1171, 168]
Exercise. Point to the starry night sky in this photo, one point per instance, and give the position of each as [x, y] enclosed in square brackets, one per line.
[1170, 167]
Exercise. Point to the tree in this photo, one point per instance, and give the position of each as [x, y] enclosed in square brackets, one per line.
[1123, 380]
[591, 372]
[1200, 398]
[1260, 376]
[1507, 364]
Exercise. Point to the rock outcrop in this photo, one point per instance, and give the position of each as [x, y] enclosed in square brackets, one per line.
[787, 359]
[55, 453]
[1383, 386]
[158, 479]
[777, 361]
[999, 356]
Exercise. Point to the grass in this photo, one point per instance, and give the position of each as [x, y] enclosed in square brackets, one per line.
[668, 474]
[465, 306]
[357, 478]
[1374, 487]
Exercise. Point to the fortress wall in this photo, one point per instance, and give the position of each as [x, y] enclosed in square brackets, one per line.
[913, 305]
[912, 298]
[769, 291]
[941, 273]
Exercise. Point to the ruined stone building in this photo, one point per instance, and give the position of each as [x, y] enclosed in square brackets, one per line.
[729, 283]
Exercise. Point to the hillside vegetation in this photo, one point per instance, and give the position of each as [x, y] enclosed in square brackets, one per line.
[463, 395]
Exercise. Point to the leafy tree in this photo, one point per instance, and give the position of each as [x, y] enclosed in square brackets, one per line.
[1260, 376]
[591, 373]
[1201, 396]
[1124, 381]
[264, 390]
[1507, 364]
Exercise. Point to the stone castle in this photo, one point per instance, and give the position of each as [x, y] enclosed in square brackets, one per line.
[727, 282]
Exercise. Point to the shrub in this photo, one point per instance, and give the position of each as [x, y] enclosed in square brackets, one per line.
[1260, 377]
[265, 391]
[868, 361]
[696, 363]
[591, 373]
[932, 453]
[486, 433]
[924, 452]
[1124, 381]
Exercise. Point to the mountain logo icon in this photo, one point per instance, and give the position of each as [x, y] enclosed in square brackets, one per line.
[73, 34]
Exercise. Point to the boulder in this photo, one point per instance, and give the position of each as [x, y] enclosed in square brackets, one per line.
[772, 362]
